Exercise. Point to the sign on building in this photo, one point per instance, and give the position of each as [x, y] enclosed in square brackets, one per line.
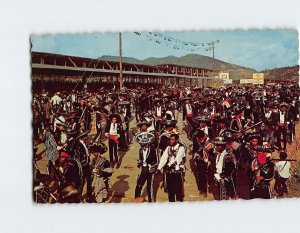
[258, 78]
[246, 81]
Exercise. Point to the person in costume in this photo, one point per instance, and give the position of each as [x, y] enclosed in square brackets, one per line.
[112, 132]
[172, 161]
[101, 170]
[147, 162]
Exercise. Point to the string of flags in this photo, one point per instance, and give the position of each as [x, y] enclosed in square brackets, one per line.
[174, 43]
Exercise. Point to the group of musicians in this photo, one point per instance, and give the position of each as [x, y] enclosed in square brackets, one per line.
[231, 130]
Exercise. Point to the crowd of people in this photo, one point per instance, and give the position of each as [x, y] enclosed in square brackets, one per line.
[231, 130]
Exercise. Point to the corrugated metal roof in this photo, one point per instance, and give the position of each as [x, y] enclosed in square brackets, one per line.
[82, 69]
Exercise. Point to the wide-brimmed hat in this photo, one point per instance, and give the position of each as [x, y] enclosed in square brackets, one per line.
[222, 119]
[186, 98]
[256, 94]
[122, 103]
[202, 118]
[166, 96]
[265, 148]
[144, 138]
[169, 123]
[123, 94]
[219, 141]
[109, 101]
[97, 108]
[197, 89]
[83, 134]
[200, 101]
[141, 123]
[60, 123]
[98, 148]
[157, 100]
[284, 104]
[62, 113]
[72, 133]
[237, 110]
[249, 137]
[199, 134]
[148, 115]
[114, 115]
[211, 100]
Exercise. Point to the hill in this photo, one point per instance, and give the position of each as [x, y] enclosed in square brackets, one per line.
[193, 60]
[290, 73]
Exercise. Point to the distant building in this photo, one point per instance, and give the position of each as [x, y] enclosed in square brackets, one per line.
[48, 69]
[224, 76]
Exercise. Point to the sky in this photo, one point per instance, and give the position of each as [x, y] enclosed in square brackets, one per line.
[257, 49]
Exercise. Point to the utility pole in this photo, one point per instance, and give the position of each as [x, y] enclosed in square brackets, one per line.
[120, 47]
[212, 46]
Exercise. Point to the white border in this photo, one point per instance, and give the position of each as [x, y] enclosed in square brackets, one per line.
[20, 19]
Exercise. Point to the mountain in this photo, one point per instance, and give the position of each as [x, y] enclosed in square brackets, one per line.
[192, 60]
[290, 73]
[125, 59]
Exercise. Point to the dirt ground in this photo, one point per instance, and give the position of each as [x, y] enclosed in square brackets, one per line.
[123, 180]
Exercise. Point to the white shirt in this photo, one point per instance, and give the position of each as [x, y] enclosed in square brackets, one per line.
[213, 111]
[113, 129]
[108, 108]
[124, 126]
[145, 155]
[281, 117]
[151, 128]
[73, 98]
[219, 162]
[283, 168]
[56, 100]
[63, 138]
[226, 104]
[65, 106]
[178, 158]
[222, 131]
[60, 119]
[268, 114]
[125, 111]
[158, 111]
[188, 109]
